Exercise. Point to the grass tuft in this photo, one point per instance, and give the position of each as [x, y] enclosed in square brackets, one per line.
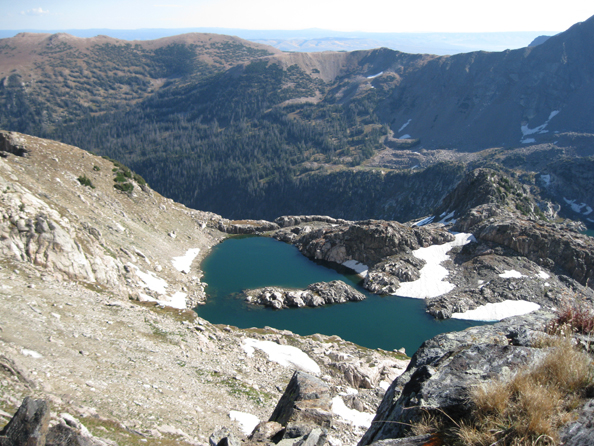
[529, 408]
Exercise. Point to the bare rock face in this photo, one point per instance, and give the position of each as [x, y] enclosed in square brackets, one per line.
[294, 220]
[496, 208]
[367, 242]
[245, 226]
[30, 230]
[547, 244]
[386, 276]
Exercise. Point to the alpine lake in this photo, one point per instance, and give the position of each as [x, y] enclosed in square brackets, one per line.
[247, 262]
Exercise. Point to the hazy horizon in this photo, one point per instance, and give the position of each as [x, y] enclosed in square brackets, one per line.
[381, 16]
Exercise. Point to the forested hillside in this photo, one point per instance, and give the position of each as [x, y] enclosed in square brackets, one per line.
[241, 129]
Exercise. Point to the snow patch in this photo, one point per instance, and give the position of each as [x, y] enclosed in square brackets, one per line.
[407, 136]
[540, 129]
[151, 281]
[247, 421]
[359, 268]
[285, 355]
[578, 207]
[449, 218]
[384, 385]
[183, 263]
[31, 353]
[424, 221]
[375, 75]
[498, 311]
[511, 274]
[543, 275]
[349, 391]
[404, 125]
[178, 301]
[431, 283]
[546, 180]
[352, 416]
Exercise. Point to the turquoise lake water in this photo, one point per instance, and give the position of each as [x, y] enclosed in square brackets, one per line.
[241, 263]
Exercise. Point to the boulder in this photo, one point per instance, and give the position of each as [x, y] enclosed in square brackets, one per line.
[305, 411]
[28, 426]
[443, 371]
[222, 437]
[306, 400]
[265, 431]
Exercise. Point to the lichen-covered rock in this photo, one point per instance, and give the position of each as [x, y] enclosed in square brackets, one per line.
[445, 368]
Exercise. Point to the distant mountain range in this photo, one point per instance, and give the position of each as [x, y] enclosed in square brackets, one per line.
[244, 129]
[313, 40]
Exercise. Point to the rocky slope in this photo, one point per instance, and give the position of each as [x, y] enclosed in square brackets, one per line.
[95, 285]
[97, 278]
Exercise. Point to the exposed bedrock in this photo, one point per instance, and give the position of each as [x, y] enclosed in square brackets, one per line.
[548, 244]
[367, 242]
[443, 371]
[386, 276]
[315, 295]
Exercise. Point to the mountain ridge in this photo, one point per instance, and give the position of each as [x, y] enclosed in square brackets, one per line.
[243, 140]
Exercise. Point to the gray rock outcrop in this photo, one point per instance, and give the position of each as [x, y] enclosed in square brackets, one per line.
[367, 242]
[315, 295]
[295, 220]
[386, 276]
[445, 368]
[245, 226]
[547, 244]
[28, 426]
[305, 410]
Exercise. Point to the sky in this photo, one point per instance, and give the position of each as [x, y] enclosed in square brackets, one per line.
[337, 15]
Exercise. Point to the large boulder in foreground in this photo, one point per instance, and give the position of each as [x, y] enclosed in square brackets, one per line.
[28, 426]
[443, 371]
[305, 411]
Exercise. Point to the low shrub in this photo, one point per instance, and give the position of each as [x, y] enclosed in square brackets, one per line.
[576, 317]
[85, 181]
[124, 187]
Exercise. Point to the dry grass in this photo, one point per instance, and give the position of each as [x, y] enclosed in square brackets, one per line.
[530, 408]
